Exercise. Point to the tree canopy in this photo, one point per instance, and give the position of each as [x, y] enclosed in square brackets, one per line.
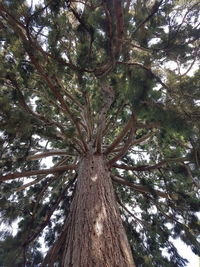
[114, 76]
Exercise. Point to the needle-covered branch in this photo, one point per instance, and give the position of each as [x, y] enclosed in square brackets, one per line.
[16, 175]
[28, 184]
[53, 251]
[40, 227]
[140, 188]
[121, 135]
[125, 148]
[27, 43]
[149, 167]
[154, 9]
[48, 153]
[70, 96]
[143, 138]
[138, 141]
[158, 79]
[111, 122]
[128, 211]
[24, 105]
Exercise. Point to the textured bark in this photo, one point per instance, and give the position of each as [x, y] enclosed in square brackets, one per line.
[96, 236]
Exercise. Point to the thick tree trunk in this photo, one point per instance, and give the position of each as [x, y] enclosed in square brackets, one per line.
[96, 236]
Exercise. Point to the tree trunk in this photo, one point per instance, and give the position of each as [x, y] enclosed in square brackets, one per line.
[96, 236]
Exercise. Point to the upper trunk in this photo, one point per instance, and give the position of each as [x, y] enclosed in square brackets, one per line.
[96, 236]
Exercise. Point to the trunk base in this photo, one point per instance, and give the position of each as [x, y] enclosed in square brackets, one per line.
[96, 236]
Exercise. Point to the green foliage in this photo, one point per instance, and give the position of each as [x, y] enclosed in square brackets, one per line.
[67, 47]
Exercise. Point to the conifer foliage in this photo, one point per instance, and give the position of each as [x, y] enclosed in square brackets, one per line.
[104, 78]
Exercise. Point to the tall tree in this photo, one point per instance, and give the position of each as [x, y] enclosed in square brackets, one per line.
[89, 83]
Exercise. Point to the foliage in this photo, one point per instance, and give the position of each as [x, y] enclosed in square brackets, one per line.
[56, 58]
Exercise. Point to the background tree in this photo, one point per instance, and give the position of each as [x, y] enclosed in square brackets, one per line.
[89, 83]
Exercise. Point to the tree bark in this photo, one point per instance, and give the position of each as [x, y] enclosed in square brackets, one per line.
[95, 236]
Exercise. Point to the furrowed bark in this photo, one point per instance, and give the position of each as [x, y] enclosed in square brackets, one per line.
[95, 235]
[119, 26]
[108, 96]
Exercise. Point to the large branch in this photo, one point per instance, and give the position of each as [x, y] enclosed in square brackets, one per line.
[71, 97]
[38, 47]
[111, 122]
[143, 138]
[89, 28]
[29, 48]
[47, 154]
[29, 184]
[129, 212]
[135, 142]
[38, 230]
[59, 97]
[54, 250]
[149, 167]
[119, 20]
[125, 148]
[114, 16]
[155, 8]
[13, 176]
[147, 69]
[110, 32]
[140, 188]
[121, 135]
[24, 105]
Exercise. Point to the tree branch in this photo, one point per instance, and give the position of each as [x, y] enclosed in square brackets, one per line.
[140, 188]
[113, 119]
[47, 154]
[125, 148]
[37, 172]
[71, 97]
[28, 44]
[49, 214]
[149, 167]
[28, 184]
[155, 8]
[121, 135]
[143, 138]
[119, 20]
[23, 104]
[147, 69]
[191, 176]
[53, 251]
[135, 142]
[128, 211]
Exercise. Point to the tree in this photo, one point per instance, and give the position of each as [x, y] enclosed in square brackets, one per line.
[88, 83]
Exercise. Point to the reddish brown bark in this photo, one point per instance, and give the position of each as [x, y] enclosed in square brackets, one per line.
[96, 236]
